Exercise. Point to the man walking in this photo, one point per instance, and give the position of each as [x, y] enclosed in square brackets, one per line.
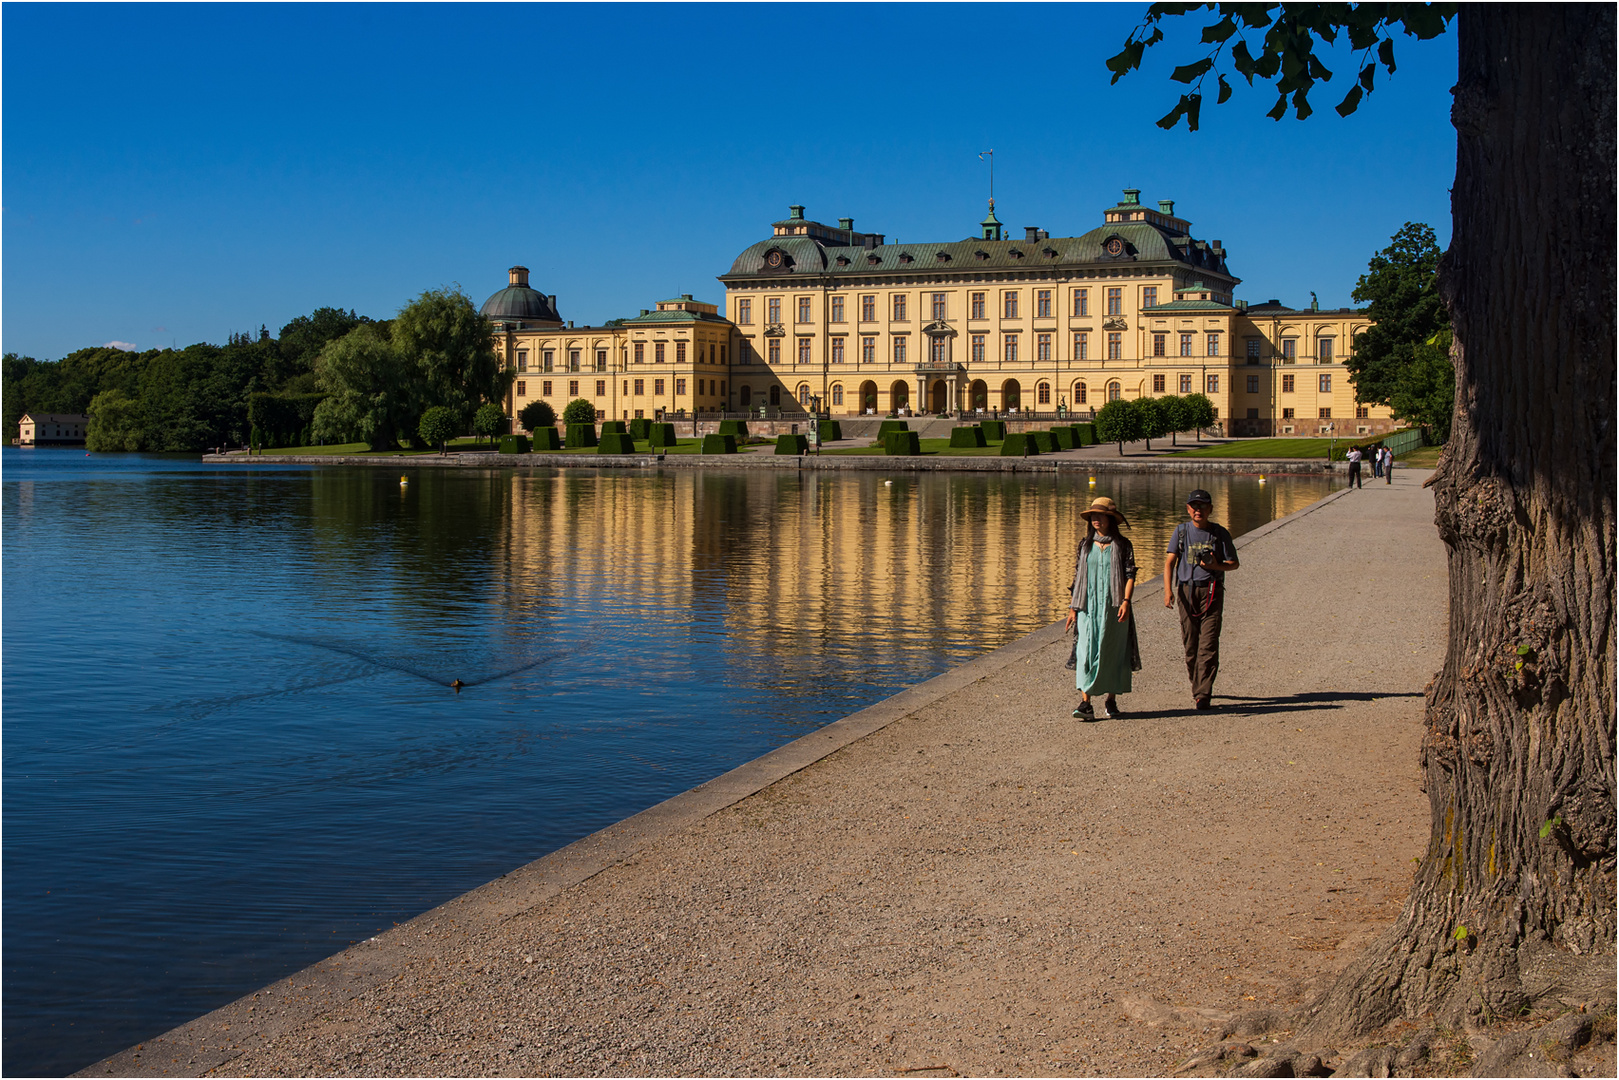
[1200, 555]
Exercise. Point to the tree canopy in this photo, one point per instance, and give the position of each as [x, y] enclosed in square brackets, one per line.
[1118, 422]
[1402, 360]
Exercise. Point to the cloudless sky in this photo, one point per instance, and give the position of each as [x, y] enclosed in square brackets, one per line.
[173, 173]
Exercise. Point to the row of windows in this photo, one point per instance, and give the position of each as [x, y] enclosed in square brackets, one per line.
[716, 354]
[1211, 344]
[639, 387]
[1290, 350]
[1009, 305]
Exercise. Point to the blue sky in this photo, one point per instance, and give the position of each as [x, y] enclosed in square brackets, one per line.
[172, 173]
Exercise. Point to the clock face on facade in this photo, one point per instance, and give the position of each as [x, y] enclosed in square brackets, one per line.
[1115, 246]
[773, 260]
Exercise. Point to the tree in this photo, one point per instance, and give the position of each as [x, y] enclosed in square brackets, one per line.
[1519, 875]
[438, 426]
[536, 415]
[579, 411]
[1176, 417]
[1118, 421]
[1152, 419]
[372, 388]
[1401, 291]
[1198, 412]
[489, 421]
[115, 422]
[452, 348]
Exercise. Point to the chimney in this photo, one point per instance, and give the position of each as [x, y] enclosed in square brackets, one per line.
[1132, 196]
[685, 296]
[797, 212]
[846, 223]
[1031, 233]
[1242, 305]
[1166, 207]
[517, 276]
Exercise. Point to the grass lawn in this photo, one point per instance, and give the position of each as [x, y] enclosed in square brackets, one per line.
[1277, 448]
[930, 448]
[1423, 457]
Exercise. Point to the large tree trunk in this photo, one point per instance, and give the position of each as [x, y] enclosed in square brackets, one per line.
[1514, 902]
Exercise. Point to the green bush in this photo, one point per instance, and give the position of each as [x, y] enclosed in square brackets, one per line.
[891, 425]
[792, 444]
[617, 442]
[517, 444]
[641, 429]
[609, 427]
[547, 438]
[489, 420]
[902, 443]
[438, 426]
[580, 435]
[579, 411]
[1087, 434]
[738, 428]
[1064, 438]
[660, 434]
[537, 414]
[830, 431]
[1018, 444]
[722, 443]
[994, 430]
[968, 436]
[1044, 441]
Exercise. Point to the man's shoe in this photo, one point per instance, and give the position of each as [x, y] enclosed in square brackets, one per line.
[1202, 703]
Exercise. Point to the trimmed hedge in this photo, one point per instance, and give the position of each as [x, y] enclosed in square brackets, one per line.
[1018, 444]
[1087, 434]
[723, 443]
[580, 435]
[830, 431]
[902, 443]
[968, 436]
[547, 438]
[792, 444]
[891, 425]
[659, 434]
[610, 426]
[994, 430]
[516, 444]
[1044, 441]
[617, 442]
[738, 428]
[641, 429]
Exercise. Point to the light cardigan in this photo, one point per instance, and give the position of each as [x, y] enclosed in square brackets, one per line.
[1124, 569]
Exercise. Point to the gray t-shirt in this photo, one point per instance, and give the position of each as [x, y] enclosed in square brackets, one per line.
[1191, 543]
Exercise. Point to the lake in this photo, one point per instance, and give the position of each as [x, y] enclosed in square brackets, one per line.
[231, 743]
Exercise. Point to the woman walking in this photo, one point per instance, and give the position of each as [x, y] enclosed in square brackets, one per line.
[1099, 608]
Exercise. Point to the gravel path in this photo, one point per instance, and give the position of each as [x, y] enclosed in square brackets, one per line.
[972, 883]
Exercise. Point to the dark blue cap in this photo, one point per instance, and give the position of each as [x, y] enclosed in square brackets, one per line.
[1199, 496]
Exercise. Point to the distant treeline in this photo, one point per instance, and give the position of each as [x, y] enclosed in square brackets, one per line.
[187, 399]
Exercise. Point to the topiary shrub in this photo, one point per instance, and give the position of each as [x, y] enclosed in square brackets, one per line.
[581, 435]
[547, 438]
[1087, 434]
[739, 428]
[891, 425]
[968, 436]
[641, 429]
[830, 431]
[617, 442]
[1045, 441]
[722, 443]
[792, 444]
[517, 444]
[537, 414]
[994, 430]
[1018, 444]
[608, 427]
[659, 434]
[579, 411]
[902, 443]
[1064, 438]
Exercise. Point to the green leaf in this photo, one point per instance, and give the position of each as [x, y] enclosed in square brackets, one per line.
[1225, 92]
[1546, 829]
[1301, 106]
[1461, 933]
[1220, 31]
[1385, 53]
[1127, 60]
[1187, 72]
[1351, 101]
[1278, 110]
[1367, 74]
[1188, 106]
[1523, 650]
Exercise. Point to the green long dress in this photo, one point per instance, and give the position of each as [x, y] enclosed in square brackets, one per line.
[1102, 652]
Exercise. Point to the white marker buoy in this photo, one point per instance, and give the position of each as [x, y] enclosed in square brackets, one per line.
[888, 483]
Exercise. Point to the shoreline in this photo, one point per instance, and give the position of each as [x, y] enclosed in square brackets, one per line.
[250, 1030]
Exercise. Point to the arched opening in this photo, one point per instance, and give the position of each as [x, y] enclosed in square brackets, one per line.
[837, 394]
[978, 395]
[804, 394]
[1114, 390]
[1080, 394]
[1042, 393]
[899, 396]
[939, 400]
[1011, 395]
[868, 397]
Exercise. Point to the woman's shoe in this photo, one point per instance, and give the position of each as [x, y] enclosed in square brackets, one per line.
[1085, 711]
[1111, 710]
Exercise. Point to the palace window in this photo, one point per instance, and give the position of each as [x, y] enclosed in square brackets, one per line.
[657, 387]
[680, 352]
[773, 310]
[837, 393]
[1362, 413]
[803, 350]
[1214, 384]
[1253, 384]
[626, 388]
[774, 349]
[837, 309]
[1115, 346]
[1082, 346]
[722, 388]
[1287, 414]
[1011, 348]
[978, 348]
[978, 305]
[803, 309]
[699, 352]
[1326, 384]
[1186, 344]
[1114, 391]
[899, 308]
[545, 388]
[573, 388]
[803, 394]
[1042, 304]
[868, 309]
[775, 395]
[1287, 384]
[1253, 350]
[601, 359]
[722, 354]
[837, 350]
[1212, 346]
[939, 346]
[680, 387]
[1323, 350]
[640, 352]
[547, 359]
[1009, 305]
[1079, 393]
[601, 387]
[522, 388]
[939, 304]
[1082, 302]
[640, 387]
[1253, 414]
[1326, 414]
[1290, 350]
[573, 359]
[1149, 296]
[1186, 384]
[1042, 393]
[868, 350]
[522, 359]
[1158, 344]
[744, 312]
[657, 352]
[1115, 301]
[1158, 384]
[899, 350]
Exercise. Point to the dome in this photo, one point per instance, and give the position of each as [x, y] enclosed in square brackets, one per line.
[520, 304]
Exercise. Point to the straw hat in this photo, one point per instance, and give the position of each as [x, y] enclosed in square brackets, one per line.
[1104, 505]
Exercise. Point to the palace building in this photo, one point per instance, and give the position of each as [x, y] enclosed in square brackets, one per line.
[831, 319]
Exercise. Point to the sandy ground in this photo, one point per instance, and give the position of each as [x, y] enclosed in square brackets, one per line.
[975, 883]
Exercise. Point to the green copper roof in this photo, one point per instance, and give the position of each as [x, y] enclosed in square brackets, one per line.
[667, 317]
[1187, 305]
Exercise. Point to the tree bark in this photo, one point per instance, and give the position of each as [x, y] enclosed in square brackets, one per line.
[1514, 902]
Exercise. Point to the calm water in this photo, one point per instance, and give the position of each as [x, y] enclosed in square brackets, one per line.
[230, 744]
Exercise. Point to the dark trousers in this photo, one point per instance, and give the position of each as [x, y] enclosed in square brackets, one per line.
[1354, 474]
[1200, 632]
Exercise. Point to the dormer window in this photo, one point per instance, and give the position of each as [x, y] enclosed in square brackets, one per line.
[905, 257]
[1050, 253]
[874, 259]
[843, 260]
[980, 254]
[943, 256]
[1015, 253]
